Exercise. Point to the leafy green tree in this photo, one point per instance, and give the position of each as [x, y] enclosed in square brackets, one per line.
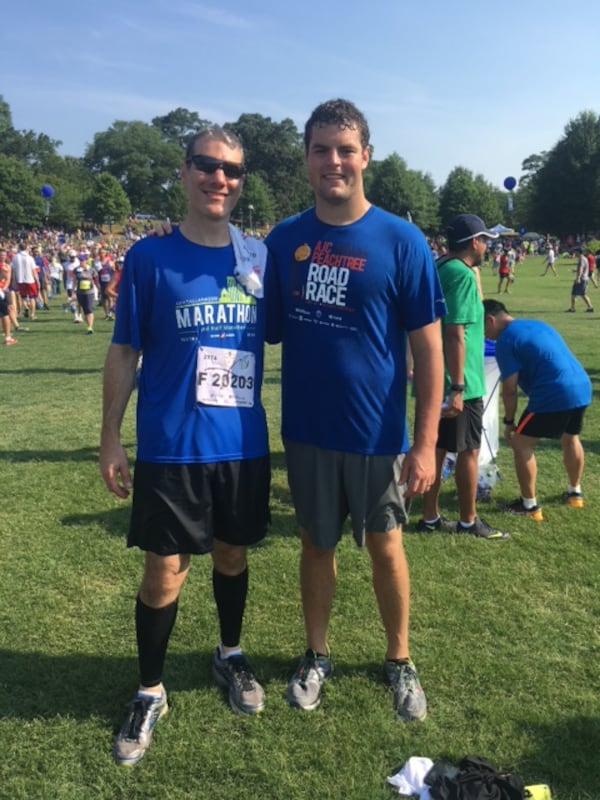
[566, 189]
[145, 165]
[107, 202]
[274, 152]
[258, 195]
[20, 199]
[178, 126]
[404, 192]
[464, 193]
[66, 204]
[5, 117]
[531, 165]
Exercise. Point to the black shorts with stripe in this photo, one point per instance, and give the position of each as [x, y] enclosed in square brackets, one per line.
[551, 424]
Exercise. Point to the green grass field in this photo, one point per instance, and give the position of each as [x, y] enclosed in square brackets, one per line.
[505, 635]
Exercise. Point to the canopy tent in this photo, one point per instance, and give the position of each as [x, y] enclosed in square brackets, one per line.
[532, 235]
[502, 230]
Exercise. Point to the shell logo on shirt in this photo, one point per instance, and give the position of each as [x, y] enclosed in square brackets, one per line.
[302, 253]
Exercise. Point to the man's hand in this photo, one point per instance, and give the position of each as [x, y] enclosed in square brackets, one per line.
[162, 229]
[418, 471]
[114, 469]
[453, 405]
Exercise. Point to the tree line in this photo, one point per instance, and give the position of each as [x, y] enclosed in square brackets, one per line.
[133, 167]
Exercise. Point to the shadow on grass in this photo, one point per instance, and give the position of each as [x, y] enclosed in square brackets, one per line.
[576, 776]
[59, 456]
[114, 521]
[37, 685]
[53, 371]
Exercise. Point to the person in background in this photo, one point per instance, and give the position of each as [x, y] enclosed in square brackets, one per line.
[580, 284]
[460, 426]
[24, 270]
[504, 272]
[105, 270]
[85, 277]
[550, 260]
[534, 358]
[591, 267]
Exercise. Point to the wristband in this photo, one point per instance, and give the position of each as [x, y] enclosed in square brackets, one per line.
[508, 421]
[457, 387]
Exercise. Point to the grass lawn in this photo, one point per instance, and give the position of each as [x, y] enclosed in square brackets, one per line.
[505, 635]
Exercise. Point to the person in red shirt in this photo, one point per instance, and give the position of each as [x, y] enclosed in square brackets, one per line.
[591, 258]
[504, 272]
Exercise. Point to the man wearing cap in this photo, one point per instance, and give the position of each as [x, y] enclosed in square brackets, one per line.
[460, 425]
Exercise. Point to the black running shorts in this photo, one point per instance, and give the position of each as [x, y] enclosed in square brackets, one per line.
[181, 508]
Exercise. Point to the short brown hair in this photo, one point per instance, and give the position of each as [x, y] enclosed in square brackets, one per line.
[338, 112]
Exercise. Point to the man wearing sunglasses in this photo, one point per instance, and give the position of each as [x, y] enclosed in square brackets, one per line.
[192, 304]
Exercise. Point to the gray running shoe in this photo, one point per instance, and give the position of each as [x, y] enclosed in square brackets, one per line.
[409, 698]
[134, 738]
[246, 695]
[306, 684]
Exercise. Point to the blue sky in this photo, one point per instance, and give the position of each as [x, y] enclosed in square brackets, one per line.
[442, 83]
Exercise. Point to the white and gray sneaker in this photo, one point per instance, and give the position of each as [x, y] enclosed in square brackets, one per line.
[306, 684]
[246, 695]
[135, 735]
[410, 702]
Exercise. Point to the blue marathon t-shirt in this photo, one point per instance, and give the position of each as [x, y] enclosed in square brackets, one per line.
[549, 374]
[346, 297]
[202, 340]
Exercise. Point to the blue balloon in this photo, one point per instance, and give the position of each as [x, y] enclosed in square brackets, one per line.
[46, 190]
[523, 231]
[510, 183]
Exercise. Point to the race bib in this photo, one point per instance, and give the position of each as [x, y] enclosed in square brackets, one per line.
[84, 285]
[225, 377]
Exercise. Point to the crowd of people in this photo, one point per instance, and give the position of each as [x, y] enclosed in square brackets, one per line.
[36, 268]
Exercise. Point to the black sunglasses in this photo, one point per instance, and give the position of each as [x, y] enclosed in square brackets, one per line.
[211, 165]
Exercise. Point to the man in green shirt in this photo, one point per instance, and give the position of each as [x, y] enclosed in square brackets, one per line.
[460, 425]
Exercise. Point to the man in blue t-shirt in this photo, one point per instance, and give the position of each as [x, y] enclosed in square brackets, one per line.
[351, 284]
[193, 304]
[533, 357]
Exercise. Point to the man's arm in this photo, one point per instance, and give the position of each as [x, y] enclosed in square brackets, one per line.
[119, 380]
[510, 395]
[418, 469]
[454, 353]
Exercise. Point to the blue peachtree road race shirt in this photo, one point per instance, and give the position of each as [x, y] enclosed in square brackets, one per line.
[202, 339]
[549, 374]
[343, 299]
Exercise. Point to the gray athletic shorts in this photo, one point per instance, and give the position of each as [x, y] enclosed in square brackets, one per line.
[181, 508]
[329, 485]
